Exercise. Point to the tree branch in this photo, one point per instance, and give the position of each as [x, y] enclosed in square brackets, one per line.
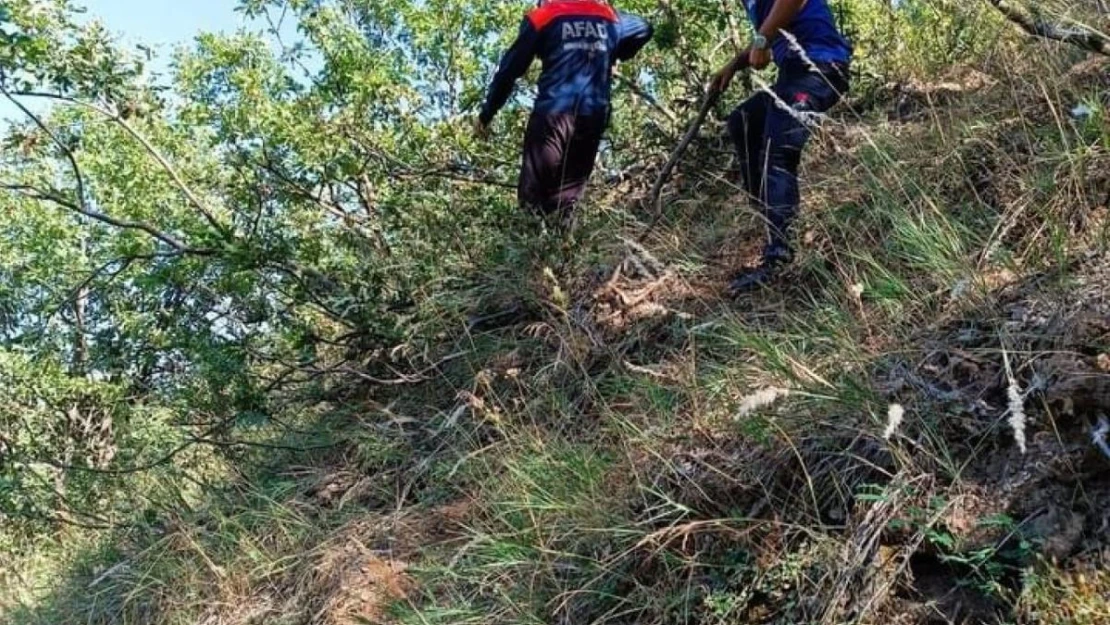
[1038, 27]
[124, 262]
[636, 89]
[82, 199]
[146, 144]
[56, 198]
[166, 459]
[142, 468]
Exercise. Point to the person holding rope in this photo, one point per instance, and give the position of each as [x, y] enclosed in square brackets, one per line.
[579, 43]
[770, 129]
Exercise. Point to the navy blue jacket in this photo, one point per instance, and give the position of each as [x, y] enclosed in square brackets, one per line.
[813, 27]
[578, 42]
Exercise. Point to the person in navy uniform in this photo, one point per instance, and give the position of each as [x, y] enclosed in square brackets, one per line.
[579, 43]
[771, 128]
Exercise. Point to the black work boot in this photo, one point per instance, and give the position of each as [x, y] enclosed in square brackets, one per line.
[749, 280]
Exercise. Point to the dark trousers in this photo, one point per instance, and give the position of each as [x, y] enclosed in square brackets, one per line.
[770, 131]
[559, 154]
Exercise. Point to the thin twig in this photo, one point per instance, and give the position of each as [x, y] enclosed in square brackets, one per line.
[269, 446]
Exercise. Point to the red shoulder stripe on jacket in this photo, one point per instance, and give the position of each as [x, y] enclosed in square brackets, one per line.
[542, 16]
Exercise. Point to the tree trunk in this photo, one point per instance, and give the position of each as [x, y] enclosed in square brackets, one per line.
[81, 339]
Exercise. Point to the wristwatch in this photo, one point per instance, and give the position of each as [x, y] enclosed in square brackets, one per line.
[759, 42]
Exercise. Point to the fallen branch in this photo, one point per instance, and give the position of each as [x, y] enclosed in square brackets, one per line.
[1034, 25]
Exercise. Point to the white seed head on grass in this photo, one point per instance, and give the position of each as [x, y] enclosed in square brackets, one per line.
[800, 51]
[761, 399]
[1015, 405]
[1098, 436]
[960, 289]
[894, 416]
[1017, 414]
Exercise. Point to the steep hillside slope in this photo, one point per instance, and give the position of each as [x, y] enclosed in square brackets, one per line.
[910, 429]
[277, 347]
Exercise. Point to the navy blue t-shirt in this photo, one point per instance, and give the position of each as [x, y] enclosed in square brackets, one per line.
[814, 29]
[578, 41]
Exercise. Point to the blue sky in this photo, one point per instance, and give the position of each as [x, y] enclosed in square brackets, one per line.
[165, 24]
[164, 21]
